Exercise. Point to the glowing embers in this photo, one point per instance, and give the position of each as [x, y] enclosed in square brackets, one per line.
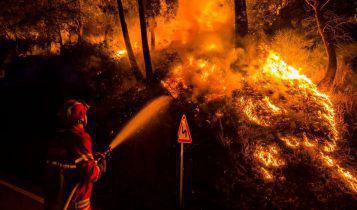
[260, 111]
[329, 147]
[327, 160]
[269, 156]
[120, 53]
[272, 106]
[348, 178]
[267, 175]
[295, 142]
[341, 173]
[251, 110]
[269, 159]
[309, 143]
[290, 141]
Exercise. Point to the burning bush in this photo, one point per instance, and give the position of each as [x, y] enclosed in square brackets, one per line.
[282, 120]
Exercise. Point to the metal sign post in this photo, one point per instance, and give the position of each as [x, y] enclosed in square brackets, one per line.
[184, 136]
[181, 176]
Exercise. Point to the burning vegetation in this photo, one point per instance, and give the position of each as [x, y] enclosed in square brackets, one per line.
[268, 91]
[277, 98]
[282, 118]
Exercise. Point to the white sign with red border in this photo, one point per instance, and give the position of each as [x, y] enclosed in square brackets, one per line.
[184, 134]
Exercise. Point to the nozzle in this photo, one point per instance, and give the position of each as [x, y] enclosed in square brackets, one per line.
[108, 151]
[105, 154]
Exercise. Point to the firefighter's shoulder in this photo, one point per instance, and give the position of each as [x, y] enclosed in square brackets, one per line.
[83, 139]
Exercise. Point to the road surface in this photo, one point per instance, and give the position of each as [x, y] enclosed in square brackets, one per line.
[15, 198]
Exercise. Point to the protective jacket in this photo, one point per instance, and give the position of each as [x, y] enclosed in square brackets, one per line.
[70, 162]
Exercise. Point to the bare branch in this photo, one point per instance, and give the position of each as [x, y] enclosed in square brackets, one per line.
[309, 3]
[322, 7]
[316, 4]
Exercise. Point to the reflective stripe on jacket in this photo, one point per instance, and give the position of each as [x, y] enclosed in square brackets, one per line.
[71, 160]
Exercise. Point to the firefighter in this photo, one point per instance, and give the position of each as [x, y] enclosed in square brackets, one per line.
[71, 162]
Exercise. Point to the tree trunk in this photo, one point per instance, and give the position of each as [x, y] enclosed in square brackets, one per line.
[330, 50]
[106, 41]
[80, 23]
[129, 49]
[17, 43]
[144, 40]
[241, 20]
[60, 37]
[48, 24]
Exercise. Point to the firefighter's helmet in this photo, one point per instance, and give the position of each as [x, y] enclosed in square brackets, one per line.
[75, 112]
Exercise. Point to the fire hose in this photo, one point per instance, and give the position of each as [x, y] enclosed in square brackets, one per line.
[105, 155]
[68, 201]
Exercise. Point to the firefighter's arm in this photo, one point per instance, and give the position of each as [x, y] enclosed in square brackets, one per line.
[90, 169]
[101, 160]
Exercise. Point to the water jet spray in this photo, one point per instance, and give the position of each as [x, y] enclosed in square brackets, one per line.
[151, 110]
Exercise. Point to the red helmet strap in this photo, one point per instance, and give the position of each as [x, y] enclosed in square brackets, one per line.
[75, 114]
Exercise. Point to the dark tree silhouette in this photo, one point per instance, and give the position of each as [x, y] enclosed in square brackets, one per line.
[129, 49]
[241, 20]
[152, 10]
[19, 19]
[144, 40]
[318, 7]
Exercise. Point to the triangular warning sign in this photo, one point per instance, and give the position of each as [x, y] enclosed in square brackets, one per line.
[183, 134]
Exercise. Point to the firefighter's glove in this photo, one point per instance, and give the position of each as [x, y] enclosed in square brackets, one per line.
[101, 161]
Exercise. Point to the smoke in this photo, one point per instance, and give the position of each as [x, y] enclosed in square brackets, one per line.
[197, 25]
